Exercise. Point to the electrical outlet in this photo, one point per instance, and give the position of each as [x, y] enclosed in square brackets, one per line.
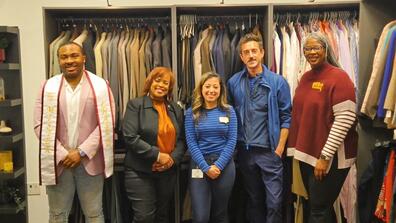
[33, 189]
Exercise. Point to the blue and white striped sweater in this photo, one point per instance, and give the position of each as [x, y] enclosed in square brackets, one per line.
[211, 136]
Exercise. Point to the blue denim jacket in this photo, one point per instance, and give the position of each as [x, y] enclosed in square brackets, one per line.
[279, 103]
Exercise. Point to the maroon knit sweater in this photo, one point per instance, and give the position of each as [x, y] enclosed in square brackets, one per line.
[321, 93]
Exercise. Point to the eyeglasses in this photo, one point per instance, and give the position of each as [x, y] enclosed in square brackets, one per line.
[314, 48]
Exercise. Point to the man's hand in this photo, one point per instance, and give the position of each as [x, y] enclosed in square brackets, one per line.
[279, 151]
[72, 159]
[213, 172]
[320, 169]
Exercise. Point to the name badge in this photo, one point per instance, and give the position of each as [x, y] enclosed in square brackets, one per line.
[224, 120]
[196, 173]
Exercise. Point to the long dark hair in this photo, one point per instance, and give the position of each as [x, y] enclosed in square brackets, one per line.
[198, 100]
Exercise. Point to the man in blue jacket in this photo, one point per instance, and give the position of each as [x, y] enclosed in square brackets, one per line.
[262, 102]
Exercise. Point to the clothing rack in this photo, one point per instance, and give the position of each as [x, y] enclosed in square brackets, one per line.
[67, 22]
[219, 46]
[285, 17]
[243, 20]
[234, 18]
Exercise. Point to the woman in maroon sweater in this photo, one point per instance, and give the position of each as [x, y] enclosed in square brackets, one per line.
[322, 133]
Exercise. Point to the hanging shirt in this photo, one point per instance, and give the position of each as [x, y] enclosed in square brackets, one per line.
[277, 51]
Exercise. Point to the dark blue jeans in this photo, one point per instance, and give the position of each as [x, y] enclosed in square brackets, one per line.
[209, 197]
[262, 172]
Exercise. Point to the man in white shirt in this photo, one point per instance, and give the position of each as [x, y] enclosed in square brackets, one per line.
[74, 120]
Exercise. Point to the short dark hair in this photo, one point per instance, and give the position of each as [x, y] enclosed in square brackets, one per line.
[251, 37]
[71, 43]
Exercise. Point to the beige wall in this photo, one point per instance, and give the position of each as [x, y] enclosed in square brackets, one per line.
[27, 15]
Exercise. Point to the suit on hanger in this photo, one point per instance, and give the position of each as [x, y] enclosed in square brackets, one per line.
[113, 72]
[123, 73]
[156, 48]
[64, 39]
[98, 55]
[89, 52]
[74, 34]
[226, 45]
[105, 55]
[205, 57]
[128, 58]
[142, 60]
[211, 49]
[82, 37]
[53, 54]
[234, 52]
[166, 45]
[148, 53]
[198, 57]
[218, 53]
[134, 61]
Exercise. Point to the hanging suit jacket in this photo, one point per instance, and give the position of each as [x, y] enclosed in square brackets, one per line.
[134, 61]
[98, 55]
[166, 45]
[89, 52]
[157, 49]
[105, 55]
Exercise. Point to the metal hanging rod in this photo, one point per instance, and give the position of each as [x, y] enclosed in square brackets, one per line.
[230, 18]
[339, 13]
[113, 19]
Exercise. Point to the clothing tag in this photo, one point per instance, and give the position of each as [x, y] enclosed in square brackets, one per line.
[388, 114]
[224, 120]
[317, 86]
[196, 173]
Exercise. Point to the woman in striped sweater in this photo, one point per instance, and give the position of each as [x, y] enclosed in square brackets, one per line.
[211, 131]
[322, 132]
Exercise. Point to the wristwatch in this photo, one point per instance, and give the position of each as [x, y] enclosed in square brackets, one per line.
[82, 154]
[324, 157]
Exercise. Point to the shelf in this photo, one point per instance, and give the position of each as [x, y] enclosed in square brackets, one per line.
[13, 175]
[5, 29]
[11, 208]
[10, 66]
[10, 102]
[11, 138]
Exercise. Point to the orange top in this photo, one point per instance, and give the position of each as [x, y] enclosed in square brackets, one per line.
[166, 137]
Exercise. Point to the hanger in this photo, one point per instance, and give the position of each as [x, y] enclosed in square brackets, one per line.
[250, 20]
[256, 18]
